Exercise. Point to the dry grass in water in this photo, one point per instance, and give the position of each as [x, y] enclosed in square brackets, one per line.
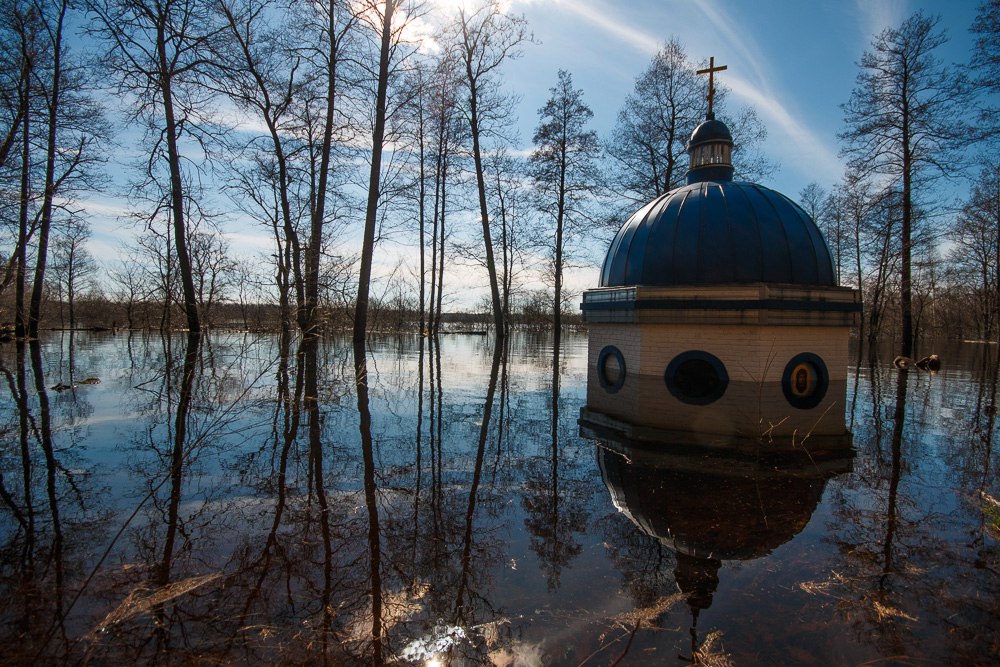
[710, 656]
[991, 510]
[140, 600]
[397, 607]
[885, 613]
[645, 616]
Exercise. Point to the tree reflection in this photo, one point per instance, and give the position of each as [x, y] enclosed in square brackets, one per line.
[555, 507]
[374, 537]
[904, 568]
[37, 558]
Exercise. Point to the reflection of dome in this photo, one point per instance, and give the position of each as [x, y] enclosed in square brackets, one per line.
[700, 507]
[717, 231]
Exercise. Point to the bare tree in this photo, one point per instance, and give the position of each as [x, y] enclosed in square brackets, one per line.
[26, 22]
[512, 210]
[388, 39]
[73, 124]
[823, 209]
[749, 136]
[130, 289]
[14, 72]
[48, 126]
[158, 52]
[213, 270]
[260, 72]
[486, 37]
[159, 268]
[446, 136]
[73, 267]
[976, 253]
[433, 137]
[332, 24]
[904, 122]
[648, 145]
[985, 62]
[564, 167]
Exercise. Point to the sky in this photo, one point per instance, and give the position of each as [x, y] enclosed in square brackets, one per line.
[795, 62]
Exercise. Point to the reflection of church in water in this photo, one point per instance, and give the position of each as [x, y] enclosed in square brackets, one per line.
[708, 509]
[718, 316]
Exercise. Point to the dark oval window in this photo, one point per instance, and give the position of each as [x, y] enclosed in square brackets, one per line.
[696, 378]
[611, 369]
[805, 381]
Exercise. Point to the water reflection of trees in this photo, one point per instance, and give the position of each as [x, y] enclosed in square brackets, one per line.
[911, 579]
[278, 554]
[47, 497]
[555, 497]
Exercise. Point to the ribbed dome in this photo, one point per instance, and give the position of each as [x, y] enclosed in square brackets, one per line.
[718, 232]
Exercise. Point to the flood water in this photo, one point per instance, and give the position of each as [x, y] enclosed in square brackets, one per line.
[233, 501]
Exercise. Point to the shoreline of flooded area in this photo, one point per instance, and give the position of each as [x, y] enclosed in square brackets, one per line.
[234, 499]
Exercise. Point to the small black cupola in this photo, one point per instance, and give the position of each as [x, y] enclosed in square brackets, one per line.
[710, 150]
[711, 145]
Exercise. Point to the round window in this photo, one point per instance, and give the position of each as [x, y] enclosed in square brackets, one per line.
[611, 369]
[696, 377]
[805, 381]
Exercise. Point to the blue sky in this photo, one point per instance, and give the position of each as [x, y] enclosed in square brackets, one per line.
[794, 61]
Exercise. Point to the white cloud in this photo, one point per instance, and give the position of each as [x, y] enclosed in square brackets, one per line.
[820, 157]
[638, 39]
[873, 17]
[110, 209]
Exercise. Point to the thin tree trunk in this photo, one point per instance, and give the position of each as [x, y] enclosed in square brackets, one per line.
[374, 179]
[484, 213]
[441, 239]
[176, 186]
[21, 251]
[34, 312]
[308, 313]
[71, 288]
[905, 283]
[560, 219]
[507, 255]
[421, 203]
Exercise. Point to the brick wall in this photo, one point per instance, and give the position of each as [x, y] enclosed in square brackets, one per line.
[755, 358]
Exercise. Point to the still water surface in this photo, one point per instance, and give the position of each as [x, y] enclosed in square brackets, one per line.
[234, 502]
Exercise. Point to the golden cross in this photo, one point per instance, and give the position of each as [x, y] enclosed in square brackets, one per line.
[711, 70]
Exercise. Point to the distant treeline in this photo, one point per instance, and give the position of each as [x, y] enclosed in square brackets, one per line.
[96, 312]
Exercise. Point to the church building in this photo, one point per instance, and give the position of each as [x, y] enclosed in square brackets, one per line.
[718, 315]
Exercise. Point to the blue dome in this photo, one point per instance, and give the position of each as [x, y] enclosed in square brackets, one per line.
[719, 232]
